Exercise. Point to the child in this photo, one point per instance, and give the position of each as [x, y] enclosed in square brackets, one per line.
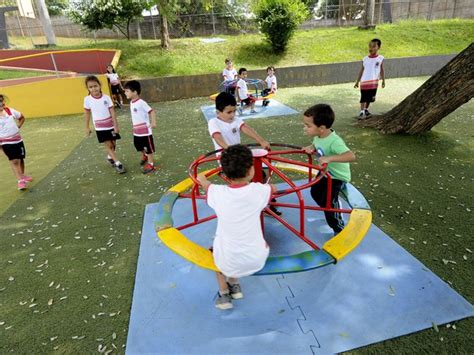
[332, 150]
[104, 119]
[225, 128]
[143, 120]
[271, 82]
[11, 142]
[239, 248]
[369, 75]
[229, 74]
[115, 85]
[242, 92]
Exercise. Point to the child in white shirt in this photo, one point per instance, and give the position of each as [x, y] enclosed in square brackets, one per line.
[239, 248]
[115, 85]
[242, 93]
[271, 82]
[229, 74]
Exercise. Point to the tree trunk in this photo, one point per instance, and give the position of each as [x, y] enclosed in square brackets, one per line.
[448, 89]
[46, 22]
[165, 36]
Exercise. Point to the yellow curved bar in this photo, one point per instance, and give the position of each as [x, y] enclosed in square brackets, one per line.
[295, 168]
[187, 249]
[55, 52]
[352, 234]
[213, 96]
[186, 184]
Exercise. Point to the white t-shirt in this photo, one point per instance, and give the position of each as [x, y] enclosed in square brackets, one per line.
[242, 87]
[114, 78]
[230, 131]
[9, 131]
[140, 118]
[239, 248]
[229, 74]
[371, 75]
[271, 83]
[100, 107]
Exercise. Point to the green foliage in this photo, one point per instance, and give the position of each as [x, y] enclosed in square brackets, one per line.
[279, 19]
[98, 14]
[56, 7]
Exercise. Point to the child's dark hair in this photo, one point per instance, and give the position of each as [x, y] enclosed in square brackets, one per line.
[133, 85]
[223, 100]
[113, 69]
[236, 161]
[322, 115]
[377, 41]
[92, 78]
[241, 70]
[3, 98]
[271, 67]
[228, 60]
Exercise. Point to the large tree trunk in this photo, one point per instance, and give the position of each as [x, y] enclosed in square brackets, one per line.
[165, 35]
[451, 87]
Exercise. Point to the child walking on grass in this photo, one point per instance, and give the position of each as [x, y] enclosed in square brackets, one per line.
[239, 248]
[11, 142]
[101, 108]
[371, 72]
[115, 85]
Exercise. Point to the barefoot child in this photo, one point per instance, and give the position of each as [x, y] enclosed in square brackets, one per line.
[101, 108]
[239, 248]
[143, 120]
[11, 142]
[371, 72]
[331, 150]
[115, 85]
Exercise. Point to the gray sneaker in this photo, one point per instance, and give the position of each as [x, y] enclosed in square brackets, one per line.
[224, 301]
[235, 291]
[120, 168]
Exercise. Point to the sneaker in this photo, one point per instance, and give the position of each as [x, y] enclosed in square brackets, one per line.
[235, 291]
[143, 160]
[120, 168]
[367, 113]
[21, 185]
[111, 162]
[148, 169]
[118, 105]
[224, 301]
[27, 178]
[253, 111]
[361, 115]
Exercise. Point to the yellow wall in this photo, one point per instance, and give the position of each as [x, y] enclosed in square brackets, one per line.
[62, 96]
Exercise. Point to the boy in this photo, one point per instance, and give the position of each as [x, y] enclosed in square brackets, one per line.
[239, 248]
[229, 74]
[370, 73]
[331, 150]
[271, 82]
[242, 92]
[225, 128]
[143, 120]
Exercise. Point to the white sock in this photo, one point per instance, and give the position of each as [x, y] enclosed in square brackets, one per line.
[118, 163]
[108, 156]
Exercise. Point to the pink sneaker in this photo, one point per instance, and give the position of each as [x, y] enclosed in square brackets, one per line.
[27, 178]
[21, 185]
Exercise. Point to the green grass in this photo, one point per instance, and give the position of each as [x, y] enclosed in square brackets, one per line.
[79, 227]
[141, 59]
[16, 74]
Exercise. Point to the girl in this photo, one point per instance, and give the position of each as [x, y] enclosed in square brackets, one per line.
[115, 85]
[104, 118]
[11, 142]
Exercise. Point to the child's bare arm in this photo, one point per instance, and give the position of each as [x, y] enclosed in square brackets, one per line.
[310, 149]
[220, 140]
[152, 115]
[347, 157]
[360, 76]
[114, 120]
[21, 121]
[87, 117]
[382, 74]
[249, 131]
[203, 181]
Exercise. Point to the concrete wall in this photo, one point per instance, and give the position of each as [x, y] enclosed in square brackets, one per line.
[175, 88]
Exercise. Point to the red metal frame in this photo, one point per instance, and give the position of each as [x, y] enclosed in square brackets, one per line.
[259, 161]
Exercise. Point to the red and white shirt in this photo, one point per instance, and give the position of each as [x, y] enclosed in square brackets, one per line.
[100, 108]
[140, 118]
[371, 75]
[9, 131]
[114, 78]
[271, 83]
[230, 131]
[239, 248]
[229, 74]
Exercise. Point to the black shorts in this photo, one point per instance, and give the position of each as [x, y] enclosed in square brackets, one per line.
[144, 144]
[14, 151]
[115, 89]
[107, 135]
[368, 95]
[249, 100]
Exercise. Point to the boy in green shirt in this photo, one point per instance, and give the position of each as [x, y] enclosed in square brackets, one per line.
[331, 150]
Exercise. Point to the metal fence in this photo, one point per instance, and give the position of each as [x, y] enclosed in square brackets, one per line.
[326, 13]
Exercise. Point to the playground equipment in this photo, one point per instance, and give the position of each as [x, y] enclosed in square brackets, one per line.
[256, 88]
[278, 166]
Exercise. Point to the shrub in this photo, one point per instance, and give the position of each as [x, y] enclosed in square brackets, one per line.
[279, 19]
